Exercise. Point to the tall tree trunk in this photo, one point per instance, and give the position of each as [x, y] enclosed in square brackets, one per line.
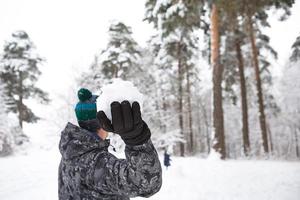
[164, 114]
[262, 118]
[20, 102]
[180, 96]
[116, 71]
[206, 127]
[209, 51]
[245, 129]
[297, 145]
[270, 138]
[158, 108]
[190, 121]
[218, 121]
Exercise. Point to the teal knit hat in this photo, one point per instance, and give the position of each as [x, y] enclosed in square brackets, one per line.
[86, 108]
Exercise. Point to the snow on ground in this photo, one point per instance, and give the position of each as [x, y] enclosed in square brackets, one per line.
[30, 176]
[33, 176]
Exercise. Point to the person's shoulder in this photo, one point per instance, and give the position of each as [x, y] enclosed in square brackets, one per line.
[70, 125]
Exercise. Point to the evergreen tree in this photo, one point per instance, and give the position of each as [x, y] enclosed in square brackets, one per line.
[234, 65]
[176, 22]
[163, 96]
[290, 85]
[218, 118]
[19, 73]
[121, 55]
[289, 121]
[296, 50]
[6, 138]
[120, 59]
[256, 11]
[235, 29]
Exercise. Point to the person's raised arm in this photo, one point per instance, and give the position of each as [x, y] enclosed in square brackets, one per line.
[140, 173]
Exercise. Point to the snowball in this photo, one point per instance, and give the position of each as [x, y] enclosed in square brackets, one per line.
[119, 90]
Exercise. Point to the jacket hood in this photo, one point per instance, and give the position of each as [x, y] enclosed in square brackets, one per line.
[76, 141]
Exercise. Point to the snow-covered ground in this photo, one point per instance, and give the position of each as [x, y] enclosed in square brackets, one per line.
[33, 176]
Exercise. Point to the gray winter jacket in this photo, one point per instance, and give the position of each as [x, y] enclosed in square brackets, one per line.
[87, 170]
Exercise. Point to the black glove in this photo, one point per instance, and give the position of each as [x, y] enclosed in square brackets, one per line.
[127, 122]
[91, 125]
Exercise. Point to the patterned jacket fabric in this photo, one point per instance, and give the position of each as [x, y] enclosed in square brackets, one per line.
[87, 170]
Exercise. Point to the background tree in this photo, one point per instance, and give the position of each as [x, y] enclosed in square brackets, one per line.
[121, 54]
[20, 71]
[256, 11]
[296, 50]
[176, 22]
[6, 138]
[234, 70]
[218, 118]
[158, 77]
[120, 59]
[290, 115]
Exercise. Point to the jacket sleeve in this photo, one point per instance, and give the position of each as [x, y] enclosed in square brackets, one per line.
[139, 174]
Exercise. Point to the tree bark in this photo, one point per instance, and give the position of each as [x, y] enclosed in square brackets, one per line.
[206, 127]
[245, 129]
[218, 120]
[20, 102]
[164, 114]
[158, 108]
[116, 71]
[190, 121]
[297, 145]
[180, 96]
[270, 138]
[209, 51]
[262, 118]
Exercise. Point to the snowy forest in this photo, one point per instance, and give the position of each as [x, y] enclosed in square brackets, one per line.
[207, 72]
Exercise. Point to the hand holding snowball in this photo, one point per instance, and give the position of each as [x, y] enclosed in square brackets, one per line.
[127, 122]
[118, 90]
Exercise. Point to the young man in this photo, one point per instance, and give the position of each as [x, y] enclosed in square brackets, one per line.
[88, 171]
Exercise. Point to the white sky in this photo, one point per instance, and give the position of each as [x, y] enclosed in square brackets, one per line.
[68, 33]
[283, 34]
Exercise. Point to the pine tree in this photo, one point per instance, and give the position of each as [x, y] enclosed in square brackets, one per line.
[6, 138]
[255, 11]
[120, 59]
[236, 24]
[243, 89]
[164, 85]
[218, 118]
[176, 22]
[20, 72]
[291, 89]
[296, 50]
[121, 55]
[234, 66]
[290, 104]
